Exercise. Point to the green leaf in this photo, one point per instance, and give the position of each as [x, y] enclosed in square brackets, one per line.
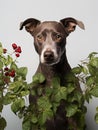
[34, 119]
[42, 119]
[90, 80]
[25, 93]
[75, 96]
[1, 65]
[13, 66]
[8, 98]
[80, 118]
[1, 49]
[96, 118]
[3, 60]
[92, 70]
[94, 92]
[91, 55]
[71, 110]
[16, 86]
[76, 70]
[78, 96]
[70, 87]
[85, 70]
[44, 107]
[43, 103]
[56, 82]
[39, 91]
[87, 96]
[26, 125]
[38, 78]
[46, 115]
[70, 77]
[3, 123]
[94, 62]
[55, 106]
[60, 94]
[8, 60]
[48, 91]
[17, 105]
[22, 71]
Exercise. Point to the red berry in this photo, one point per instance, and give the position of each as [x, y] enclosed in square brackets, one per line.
[6, 68]
[4, 50]
[18, 49]
[7, 74]
[12, 73]
[14, 46]
[17, 54]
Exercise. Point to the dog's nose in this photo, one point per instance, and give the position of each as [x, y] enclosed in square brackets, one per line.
[48, 55]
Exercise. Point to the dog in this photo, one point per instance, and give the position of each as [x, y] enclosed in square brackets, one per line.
[50, 44]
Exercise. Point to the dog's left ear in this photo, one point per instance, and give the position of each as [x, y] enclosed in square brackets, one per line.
[29, 24]
[70, 24]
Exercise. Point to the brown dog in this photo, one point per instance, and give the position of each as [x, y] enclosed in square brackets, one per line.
[50, 42]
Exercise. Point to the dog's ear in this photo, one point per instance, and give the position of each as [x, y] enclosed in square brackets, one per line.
[30, 24]
[70, 24]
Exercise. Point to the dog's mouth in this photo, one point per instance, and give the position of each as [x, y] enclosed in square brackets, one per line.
[50, 63]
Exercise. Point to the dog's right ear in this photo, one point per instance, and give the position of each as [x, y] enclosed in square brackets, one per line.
[70, 24]
[30, 24]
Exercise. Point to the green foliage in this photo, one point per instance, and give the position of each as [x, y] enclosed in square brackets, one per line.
[48, 100]
[2, 123]
[13, 85]
[14, 88]
[38, 78]
[17, 105]
[87, 74]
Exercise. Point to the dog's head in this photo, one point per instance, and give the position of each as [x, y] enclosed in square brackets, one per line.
[50, 37]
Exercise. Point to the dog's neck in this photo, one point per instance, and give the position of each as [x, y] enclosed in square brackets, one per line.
[60, 69]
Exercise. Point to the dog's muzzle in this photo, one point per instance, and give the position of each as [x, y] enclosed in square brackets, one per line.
[48, 56]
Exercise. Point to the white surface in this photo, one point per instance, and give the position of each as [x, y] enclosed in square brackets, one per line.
[80, 43]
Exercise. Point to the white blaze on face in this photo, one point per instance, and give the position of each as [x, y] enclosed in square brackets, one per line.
[49, 48]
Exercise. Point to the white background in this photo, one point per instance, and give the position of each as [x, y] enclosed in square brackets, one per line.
[79, 44]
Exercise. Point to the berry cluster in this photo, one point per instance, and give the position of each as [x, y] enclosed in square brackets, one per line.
[9, 72]
[17, 49]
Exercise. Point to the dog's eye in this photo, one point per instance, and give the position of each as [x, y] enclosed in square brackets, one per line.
[40, 37]
[58, 37]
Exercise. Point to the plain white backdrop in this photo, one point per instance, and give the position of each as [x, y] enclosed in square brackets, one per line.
[79, 44]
